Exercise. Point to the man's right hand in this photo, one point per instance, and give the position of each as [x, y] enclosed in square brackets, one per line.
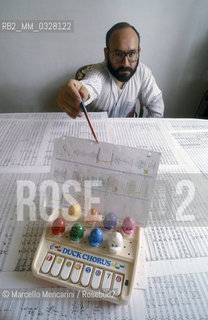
[69, 98]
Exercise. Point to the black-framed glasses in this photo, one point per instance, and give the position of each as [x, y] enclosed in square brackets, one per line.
[118, 56]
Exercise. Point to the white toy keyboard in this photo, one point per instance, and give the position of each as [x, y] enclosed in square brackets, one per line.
[79, 266]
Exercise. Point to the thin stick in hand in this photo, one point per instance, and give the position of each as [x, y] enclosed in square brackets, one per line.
[88, 120]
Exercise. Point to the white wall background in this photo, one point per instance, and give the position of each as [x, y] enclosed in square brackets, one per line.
[174, 42]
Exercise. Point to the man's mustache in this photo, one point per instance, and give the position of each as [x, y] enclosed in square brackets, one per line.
[124, 69]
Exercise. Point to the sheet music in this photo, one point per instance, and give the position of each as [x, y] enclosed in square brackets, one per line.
[194, 143]
[170, 244]
[18, 239]
[192, 136]
[180, 296]
[30, 143]
[50, 116]
[126, 175]
[144, 135]
[185, 124]
[176, 252]
[152, 134]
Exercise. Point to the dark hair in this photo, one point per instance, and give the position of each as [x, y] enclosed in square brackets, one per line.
[120, 25]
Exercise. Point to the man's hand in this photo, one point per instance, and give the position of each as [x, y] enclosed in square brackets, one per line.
[69, 98]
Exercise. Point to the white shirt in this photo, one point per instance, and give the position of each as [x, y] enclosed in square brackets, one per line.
[105, 95]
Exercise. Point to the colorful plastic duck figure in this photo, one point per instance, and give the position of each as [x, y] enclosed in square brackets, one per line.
[96, 237]
[110, 221]
[115, 242]
[92, 217]
[77, 232]
[74, 212]
[128, 226]
[58, 226]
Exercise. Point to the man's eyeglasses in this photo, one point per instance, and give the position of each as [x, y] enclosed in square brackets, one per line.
[118, 56]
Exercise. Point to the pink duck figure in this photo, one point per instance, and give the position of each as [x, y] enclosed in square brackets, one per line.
[128, 226]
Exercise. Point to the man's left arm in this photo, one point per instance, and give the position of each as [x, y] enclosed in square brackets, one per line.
[150, 95]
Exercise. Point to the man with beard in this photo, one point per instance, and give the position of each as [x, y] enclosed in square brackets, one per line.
[115, 84]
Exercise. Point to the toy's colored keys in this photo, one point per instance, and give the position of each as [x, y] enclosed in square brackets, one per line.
[96, 278]
[66, 269]
[76, 272]
[107, 281]
[86, 276]
[117, 284]
[47, 263]
[57, 266]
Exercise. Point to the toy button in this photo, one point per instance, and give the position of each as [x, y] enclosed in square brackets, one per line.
[96, 278]
[115, 242]
[76, 272]
[58, 226]
[57, 266]
[117, 284]
[98, 272]
[66, 269]
[77, 232]
[96, 237]
[110, 221]
[77, 266]
[47, 263]
[128, 227]
[92, 217]
[107, 281]
[74, 212]
[86, 276]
